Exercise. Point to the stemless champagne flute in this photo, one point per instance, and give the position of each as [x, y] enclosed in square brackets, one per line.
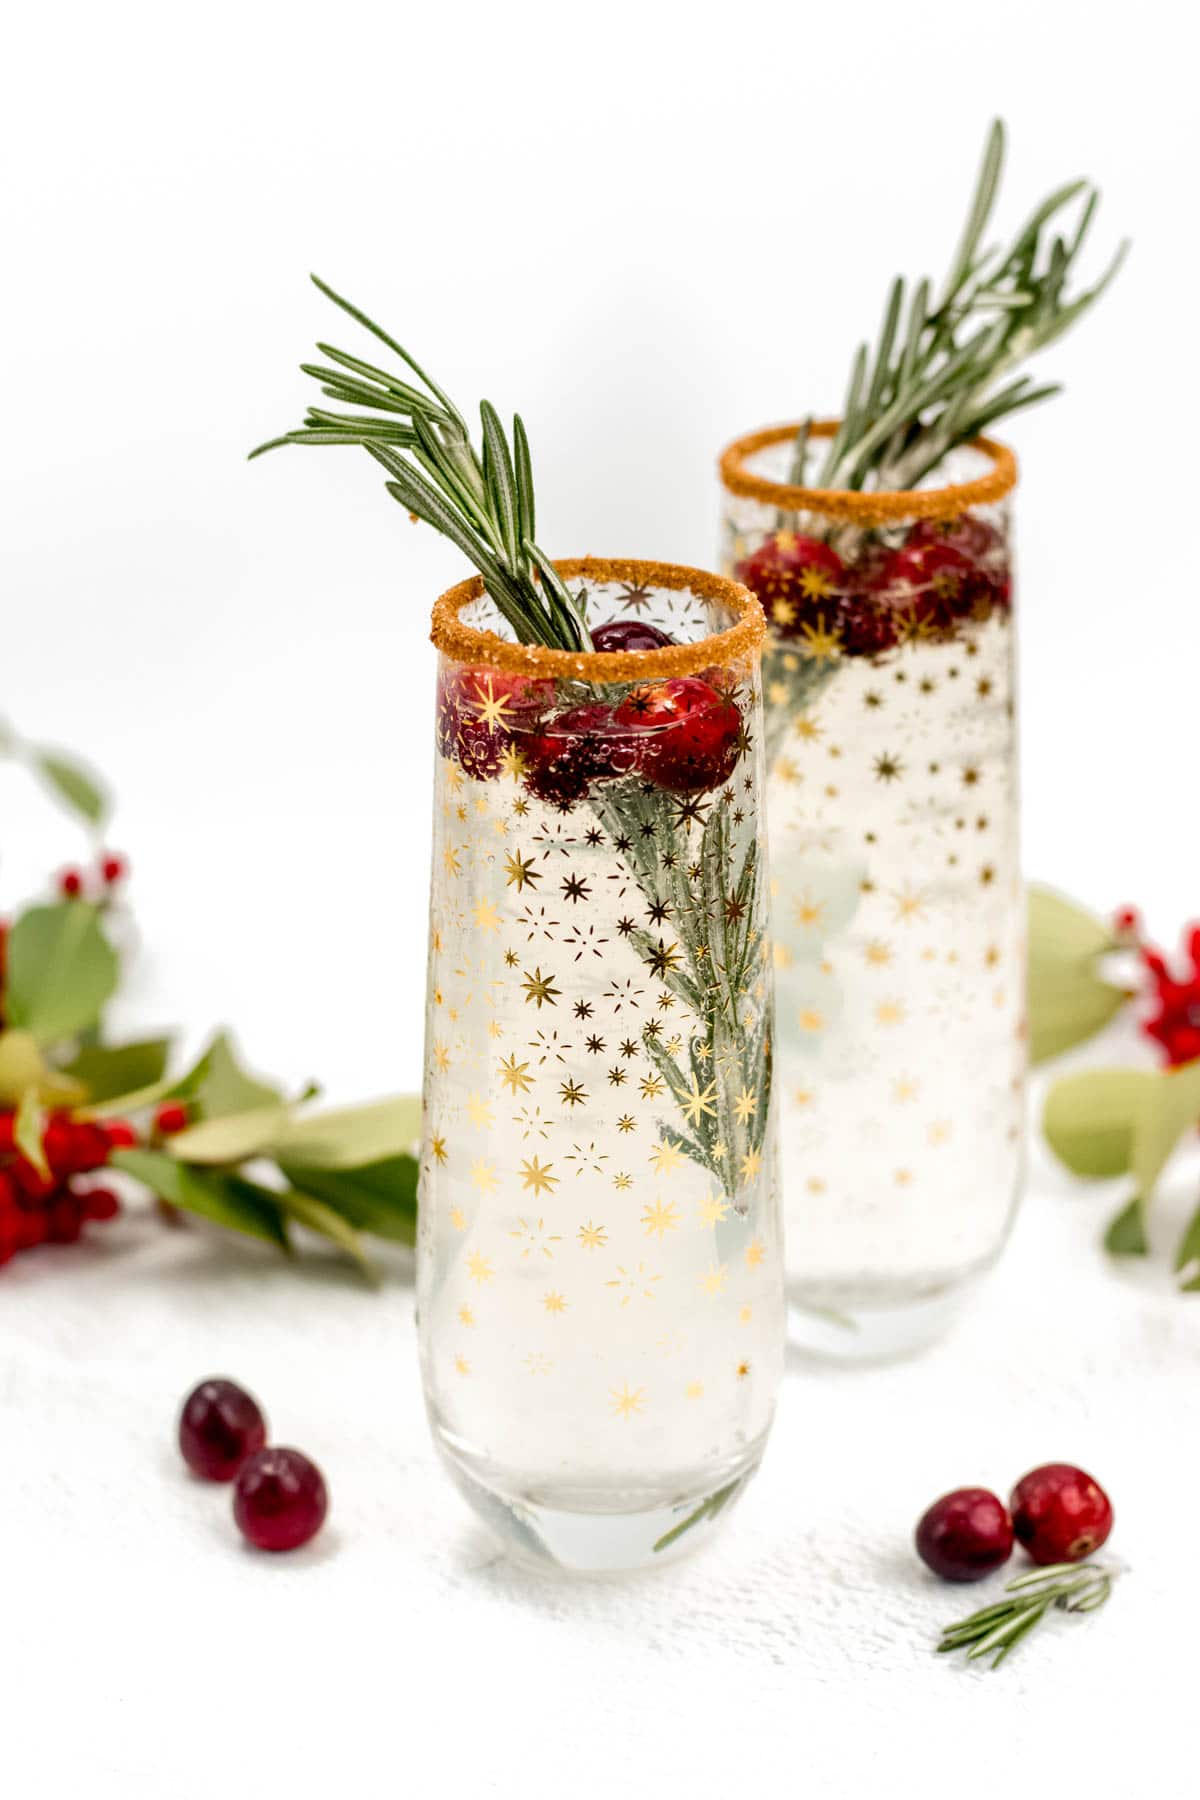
[897, 910]
[600, 1283]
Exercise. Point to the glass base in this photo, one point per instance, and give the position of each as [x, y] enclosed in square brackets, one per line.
[850, 1327]
[608, 1533]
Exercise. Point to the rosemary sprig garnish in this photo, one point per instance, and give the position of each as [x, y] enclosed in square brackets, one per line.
[943, 372]
[482, 501]
[994, 1630]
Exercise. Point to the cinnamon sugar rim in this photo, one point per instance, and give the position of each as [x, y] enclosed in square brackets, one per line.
[742, 639]
[882, 508]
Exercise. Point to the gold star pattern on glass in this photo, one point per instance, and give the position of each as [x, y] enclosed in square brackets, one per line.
[712, 1209]
[659, 1219]
[535, 1239]
[540, 989]
[633, 1283]
[538, 1178]
[627, 1402]
[697, 1102]
[515, 1075]
[665, 1158]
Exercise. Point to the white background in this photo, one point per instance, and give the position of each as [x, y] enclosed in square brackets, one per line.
[649, 228]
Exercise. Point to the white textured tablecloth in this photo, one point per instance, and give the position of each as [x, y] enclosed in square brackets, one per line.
[144, 1652]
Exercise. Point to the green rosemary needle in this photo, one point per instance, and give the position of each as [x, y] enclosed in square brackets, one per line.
[942, 372]
[994, 1630]
[481, 500]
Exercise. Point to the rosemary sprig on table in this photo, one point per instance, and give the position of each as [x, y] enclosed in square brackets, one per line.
[482, 501]
[994, 1630]
[943, 372]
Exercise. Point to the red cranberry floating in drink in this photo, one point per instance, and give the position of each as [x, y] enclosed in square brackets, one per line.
[692, 733]
[969, 534]
[629, 634]
[795, 578]
[280, 1500]
[479, 711]
[1060, 1513]
[220, 1427]
[965, 1535]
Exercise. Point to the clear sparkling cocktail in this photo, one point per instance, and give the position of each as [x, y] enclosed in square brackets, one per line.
[897, 909]
[600, 1282]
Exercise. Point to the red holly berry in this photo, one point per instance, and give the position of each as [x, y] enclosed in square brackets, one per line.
[1060, 1514]
[113, 868]
[101, 1204]
[119, 1134]
[32, 1184]
[70, 884]
[33, 1229]
[795, 578]
[1174, 1022]
[965, 1535]
[171, 1116]
[66, 1218]
[280, 1500]
[629, 634]
[220, 1428]
[691, 733]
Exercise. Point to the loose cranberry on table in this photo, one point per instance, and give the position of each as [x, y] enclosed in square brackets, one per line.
[220, 1428]
[965, 1535]
[629, 634]
[280, 1500]
[1060, 1513]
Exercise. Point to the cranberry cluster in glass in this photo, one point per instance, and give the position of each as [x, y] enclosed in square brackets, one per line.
[942, 575]
[561, 738]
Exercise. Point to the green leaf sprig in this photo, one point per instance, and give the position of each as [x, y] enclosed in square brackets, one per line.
[995, 1630]
[943, 370]
[483, 501]
[71, 783]
[257, 1163]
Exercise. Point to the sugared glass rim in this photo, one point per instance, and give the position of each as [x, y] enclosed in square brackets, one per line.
[883, 508]
[467, 645]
